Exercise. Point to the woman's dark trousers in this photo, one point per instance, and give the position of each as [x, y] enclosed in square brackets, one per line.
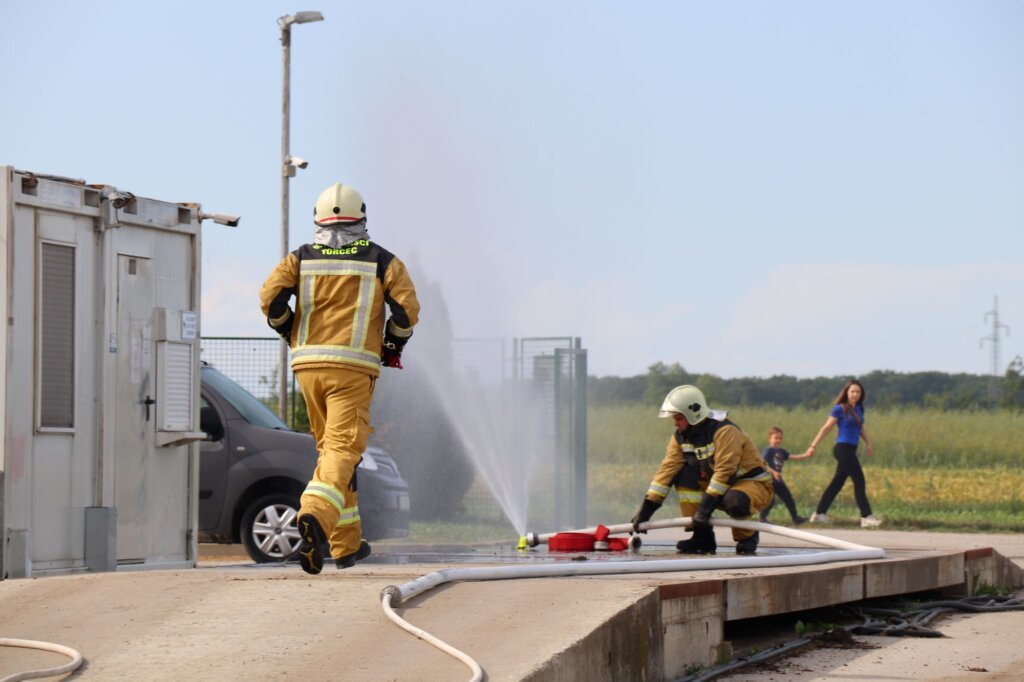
[847, 466]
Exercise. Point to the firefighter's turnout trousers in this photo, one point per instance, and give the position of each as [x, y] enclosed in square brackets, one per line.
[758, 495]
[717, 458]
[338, 401]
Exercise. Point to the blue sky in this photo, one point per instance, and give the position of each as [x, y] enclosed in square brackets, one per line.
[745, 188]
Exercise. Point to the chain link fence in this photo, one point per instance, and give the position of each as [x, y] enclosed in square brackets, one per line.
[250, 362]
[537, 380]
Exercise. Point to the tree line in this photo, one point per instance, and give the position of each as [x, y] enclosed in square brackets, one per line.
[884, 388]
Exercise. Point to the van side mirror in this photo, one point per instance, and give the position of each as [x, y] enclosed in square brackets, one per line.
[209, 422]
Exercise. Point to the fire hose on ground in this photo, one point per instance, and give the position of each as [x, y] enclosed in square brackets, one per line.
[394, 595]
[76, 659]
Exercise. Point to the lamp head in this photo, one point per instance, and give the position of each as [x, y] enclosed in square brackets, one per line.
[299, 18]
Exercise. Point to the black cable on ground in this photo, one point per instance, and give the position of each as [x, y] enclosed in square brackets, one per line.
[712, 673]
[913, 618]
[910, 620]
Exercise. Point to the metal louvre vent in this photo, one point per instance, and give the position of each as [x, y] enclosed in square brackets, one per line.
[57, 336]
[174, 404]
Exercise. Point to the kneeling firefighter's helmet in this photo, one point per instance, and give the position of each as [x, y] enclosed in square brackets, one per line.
[688, 401]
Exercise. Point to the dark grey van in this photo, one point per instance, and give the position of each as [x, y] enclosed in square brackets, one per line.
[253, 469]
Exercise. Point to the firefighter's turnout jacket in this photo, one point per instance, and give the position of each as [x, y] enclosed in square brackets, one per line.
[712, 457]
[336, 334]
[357, 279]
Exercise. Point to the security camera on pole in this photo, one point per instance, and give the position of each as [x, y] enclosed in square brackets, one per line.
[289, 164]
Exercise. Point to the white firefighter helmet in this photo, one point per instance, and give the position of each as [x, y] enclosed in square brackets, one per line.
[339, 205]
[688, 401]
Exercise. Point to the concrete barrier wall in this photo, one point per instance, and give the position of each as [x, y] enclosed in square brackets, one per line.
[693, 625]
[678, 628]
[920, 574]
[765, 595]
[985, 567]
[628, 646]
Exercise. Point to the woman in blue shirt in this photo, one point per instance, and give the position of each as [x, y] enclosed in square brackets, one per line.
[848, 413]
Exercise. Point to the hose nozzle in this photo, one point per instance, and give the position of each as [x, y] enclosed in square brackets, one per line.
[522, 543]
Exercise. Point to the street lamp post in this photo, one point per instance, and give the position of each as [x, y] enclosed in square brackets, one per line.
[288, 166]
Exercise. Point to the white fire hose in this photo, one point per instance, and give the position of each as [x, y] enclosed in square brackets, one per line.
[393, 595]
[76, 659]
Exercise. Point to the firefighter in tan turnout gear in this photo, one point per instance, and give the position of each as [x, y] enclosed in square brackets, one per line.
[712, 464]
[339, 340]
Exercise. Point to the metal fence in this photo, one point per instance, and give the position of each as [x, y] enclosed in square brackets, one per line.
[558, 367]
[250, 362]
[254, 364]
[553, 372]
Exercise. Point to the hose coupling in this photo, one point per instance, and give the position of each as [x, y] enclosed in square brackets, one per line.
[531, 539]
[394, 592]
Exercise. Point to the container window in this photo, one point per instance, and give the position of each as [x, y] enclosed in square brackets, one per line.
[57, 336]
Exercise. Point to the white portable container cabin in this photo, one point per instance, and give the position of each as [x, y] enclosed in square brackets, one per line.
[99, 377]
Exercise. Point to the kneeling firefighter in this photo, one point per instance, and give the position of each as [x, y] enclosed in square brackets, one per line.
[712, 464]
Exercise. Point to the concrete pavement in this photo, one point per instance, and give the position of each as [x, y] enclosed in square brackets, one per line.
[232, 621]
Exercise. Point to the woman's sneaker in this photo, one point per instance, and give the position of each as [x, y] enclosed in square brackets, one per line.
[823, 519]
[870, 521]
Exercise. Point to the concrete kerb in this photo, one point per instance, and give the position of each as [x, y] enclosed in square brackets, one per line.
[691, 615]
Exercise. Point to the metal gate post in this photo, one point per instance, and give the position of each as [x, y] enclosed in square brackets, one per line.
[560, 452]
[580, 438]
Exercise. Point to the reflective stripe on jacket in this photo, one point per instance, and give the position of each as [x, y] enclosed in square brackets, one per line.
[719, 449]
[668, 471]
[725, 453]
[340, 303]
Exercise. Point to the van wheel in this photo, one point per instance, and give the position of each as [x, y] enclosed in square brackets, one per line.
[268, 528]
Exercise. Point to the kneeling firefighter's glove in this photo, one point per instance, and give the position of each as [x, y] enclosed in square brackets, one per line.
[644, 514]
[702, 517]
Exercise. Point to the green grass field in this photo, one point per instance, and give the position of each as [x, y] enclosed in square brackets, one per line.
[932, 469]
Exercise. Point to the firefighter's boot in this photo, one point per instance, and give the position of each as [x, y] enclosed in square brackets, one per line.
[748, 545]
[311, 557]
[702, 542]
[349, 560]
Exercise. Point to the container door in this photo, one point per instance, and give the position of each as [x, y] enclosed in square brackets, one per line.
[135, 413]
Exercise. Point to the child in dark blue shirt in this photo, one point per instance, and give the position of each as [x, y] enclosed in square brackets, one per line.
[775, 457]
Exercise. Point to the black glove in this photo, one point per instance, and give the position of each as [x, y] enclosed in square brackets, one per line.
[284, 328]
[391, 351]
[644, 514]
[702, 517]
[390, 356]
